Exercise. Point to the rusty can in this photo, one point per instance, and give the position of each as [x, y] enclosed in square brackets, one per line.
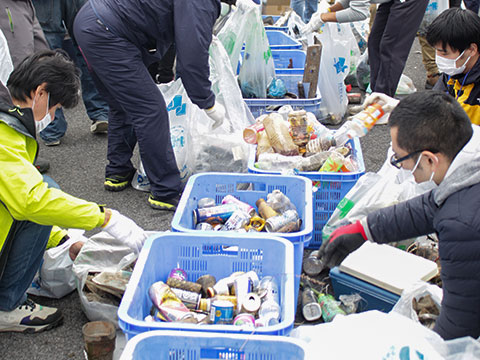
[208, 282]
[184, 285]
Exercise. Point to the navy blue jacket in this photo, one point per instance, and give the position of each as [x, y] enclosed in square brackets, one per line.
[457, 224]
[156, 24]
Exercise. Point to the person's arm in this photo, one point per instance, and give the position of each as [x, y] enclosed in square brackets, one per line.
[355, 10]
[193, 23]
[402, 221]
[460, 271]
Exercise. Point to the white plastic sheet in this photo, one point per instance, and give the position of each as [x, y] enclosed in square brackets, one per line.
[6, 65]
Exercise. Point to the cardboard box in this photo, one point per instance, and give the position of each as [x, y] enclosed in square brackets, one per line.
[275, 9]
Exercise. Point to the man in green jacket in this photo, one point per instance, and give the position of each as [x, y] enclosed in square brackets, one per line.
[29, 207]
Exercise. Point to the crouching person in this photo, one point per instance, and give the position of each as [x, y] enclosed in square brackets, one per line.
[29, 207]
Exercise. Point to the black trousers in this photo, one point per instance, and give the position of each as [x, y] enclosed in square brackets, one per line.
[393, 32]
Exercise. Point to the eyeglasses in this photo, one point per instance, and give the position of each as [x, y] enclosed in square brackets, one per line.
[396, 162]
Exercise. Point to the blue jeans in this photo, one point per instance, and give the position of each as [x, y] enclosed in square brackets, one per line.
[304, 8]
[24, 260]
[97, 108]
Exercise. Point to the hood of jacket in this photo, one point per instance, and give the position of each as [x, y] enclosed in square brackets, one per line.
[464, 171]
[20, 119]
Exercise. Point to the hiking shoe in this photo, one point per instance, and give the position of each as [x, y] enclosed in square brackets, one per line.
[118, 182]
[161, 203]
[30, 318]
[52, 142]
[99, 126]
[42, 165]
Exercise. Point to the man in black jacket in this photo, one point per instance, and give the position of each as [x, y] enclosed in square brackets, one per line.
[120, 39]
[432, 137]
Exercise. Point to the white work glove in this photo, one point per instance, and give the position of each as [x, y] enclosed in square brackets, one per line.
[314, 24]
[124, 229]
[217, 114]
[386, 102]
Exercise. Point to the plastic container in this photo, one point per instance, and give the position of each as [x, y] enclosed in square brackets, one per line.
[265, 106]
[275, 18]
[187, 345]
[201, 254]
[249, 188]
[332, 187]
[373, 297]
[279, 40]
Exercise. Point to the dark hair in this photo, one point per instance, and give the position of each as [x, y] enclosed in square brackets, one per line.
[55, 69]
[431, 120]
[456, 27]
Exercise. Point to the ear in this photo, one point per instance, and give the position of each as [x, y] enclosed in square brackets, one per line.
[40, 90]
[431, 158]
[474, 48]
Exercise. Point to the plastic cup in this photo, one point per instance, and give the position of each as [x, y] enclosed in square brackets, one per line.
[99, 338]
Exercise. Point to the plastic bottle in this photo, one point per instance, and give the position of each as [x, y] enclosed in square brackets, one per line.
[279, 202]
[330, 307]
[320, 144]
[279, 136]
[299, 130]
[360, 124]
[270, 161]
[263, 144]
[314, 162]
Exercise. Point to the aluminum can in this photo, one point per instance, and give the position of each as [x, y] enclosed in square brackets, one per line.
[230, 199]
[206, 202]
[216, 214]
[221, 312]
[237, 221]
[190, 299]
[203, 226]
[275, 223]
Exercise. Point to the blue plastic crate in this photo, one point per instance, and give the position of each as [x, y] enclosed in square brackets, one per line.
[201, 254]
[282, 59]
[374, 297]
[187, 345]
[218, 185]
[265, 106]
[279, 28]
[331, 188]
[278, 40]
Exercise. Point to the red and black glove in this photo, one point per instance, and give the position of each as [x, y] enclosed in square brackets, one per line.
[343, 241]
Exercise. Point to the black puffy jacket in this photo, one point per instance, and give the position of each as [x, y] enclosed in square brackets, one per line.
[453, 212]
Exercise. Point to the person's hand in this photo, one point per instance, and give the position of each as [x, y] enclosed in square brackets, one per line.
[314, 24]
[125, 230]
[386, 102]
[75, 249]
[343, 241]
[217, 114]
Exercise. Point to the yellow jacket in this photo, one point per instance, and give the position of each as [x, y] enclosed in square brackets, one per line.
[23, 194]
[466, 89]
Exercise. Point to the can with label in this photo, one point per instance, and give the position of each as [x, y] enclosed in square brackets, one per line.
[237, 221]
[215, 214]
[275, 223]
[178, 273]
[230, 199]
[189, 298]
[221, 312]
[244, 319]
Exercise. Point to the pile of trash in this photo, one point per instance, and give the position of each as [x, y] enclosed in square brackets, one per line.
[296, 140]
[107, 287]
[241, 299]
[275, 214]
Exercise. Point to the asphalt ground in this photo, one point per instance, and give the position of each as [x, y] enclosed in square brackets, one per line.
[77, 165]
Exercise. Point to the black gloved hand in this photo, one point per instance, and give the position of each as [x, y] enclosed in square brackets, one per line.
[343, 241]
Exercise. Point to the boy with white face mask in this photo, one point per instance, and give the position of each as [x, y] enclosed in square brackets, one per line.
[432, 137]
[455, 35]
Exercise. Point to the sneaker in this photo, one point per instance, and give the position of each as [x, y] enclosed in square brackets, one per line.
[99, 126]
[119, 182]
[161, 203]
[30, 318]
[52, 142]
[42, 165]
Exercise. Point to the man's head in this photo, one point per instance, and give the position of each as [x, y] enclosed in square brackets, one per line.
[455, 35]
[428, 130]
[46, 76]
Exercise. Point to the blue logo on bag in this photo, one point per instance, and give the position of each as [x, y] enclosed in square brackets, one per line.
[176, 104]
[340, 65]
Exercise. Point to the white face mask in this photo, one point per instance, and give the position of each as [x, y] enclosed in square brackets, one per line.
[448, 66]
[47, 119]
[425, 185]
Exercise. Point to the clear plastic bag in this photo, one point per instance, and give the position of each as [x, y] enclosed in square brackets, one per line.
[434, 8]
[6, 64]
